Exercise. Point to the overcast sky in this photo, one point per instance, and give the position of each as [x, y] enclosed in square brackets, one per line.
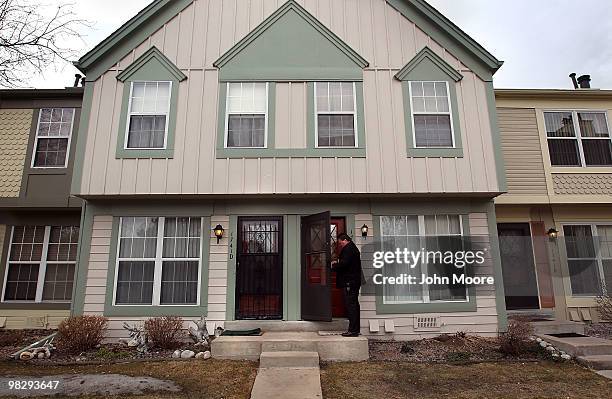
[541, 41]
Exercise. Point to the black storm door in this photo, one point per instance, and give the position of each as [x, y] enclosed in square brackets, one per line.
[259, 268]
[316, 267]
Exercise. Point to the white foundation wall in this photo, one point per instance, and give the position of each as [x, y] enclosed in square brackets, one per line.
[483, 322]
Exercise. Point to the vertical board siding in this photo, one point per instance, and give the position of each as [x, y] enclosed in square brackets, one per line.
[203, 31]
[520, 139]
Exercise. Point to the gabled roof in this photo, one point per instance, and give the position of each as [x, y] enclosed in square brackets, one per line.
[128, 36]
[427, 53]
[152, 54]
[291, 5]
[449, 35]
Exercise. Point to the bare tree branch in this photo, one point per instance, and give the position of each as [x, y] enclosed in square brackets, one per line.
[31, 42]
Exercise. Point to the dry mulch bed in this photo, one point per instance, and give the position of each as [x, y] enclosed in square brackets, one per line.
[600, 330]
[447, 348]
[12, 341]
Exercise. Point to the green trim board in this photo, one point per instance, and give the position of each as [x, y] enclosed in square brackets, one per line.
[82, 265]
[290, 44]
[134, 32]
[81, 139]
[428, 66]
[500, 296]
[449, 36]
[111, 310]
[152, 66]
[432, 307]
[500, 166]
[311, 151]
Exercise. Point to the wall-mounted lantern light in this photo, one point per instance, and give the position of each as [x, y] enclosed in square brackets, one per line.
[219, 230]
[552, 233]
[364, 230]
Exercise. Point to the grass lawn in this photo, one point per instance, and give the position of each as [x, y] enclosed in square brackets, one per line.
[391, 380]
[211, 379]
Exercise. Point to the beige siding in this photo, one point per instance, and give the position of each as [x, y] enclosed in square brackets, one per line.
[15, 125]
[522, 151]
[33, 319]
[482, 322]
[374, 29]
[582, 184]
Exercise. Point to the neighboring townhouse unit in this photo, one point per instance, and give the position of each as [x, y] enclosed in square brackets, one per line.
[277, 125]
[39, 221]
[555, 222]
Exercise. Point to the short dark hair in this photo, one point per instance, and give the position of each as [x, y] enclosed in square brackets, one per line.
[344, 237]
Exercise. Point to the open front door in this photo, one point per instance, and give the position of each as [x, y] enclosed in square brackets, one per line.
[316, 267]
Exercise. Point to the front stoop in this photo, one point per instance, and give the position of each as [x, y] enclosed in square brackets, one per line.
[580, 346]
[289, 359]
[329, 347]
[558, 327]
[597, 362]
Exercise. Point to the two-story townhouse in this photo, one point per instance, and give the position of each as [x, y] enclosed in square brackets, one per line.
[226, 143]
[555, 222]
[39, 221]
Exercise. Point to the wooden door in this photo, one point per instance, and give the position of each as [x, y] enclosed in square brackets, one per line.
[337, 227]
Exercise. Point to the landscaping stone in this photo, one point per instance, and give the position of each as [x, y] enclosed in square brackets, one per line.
[176, 354]
[187, 354]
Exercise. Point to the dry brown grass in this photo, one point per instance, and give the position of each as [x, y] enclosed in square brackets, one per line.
[211, 379]
[393, 380]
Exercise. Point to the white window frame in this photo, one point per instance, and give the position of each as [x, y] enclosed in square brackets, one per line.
[598, 257]
[354, 113]
[35, 149]
[449, 113]
[578, 135]
[424, 270]
[130, 114]
[42, 268]
[227, 115]
[159, 260]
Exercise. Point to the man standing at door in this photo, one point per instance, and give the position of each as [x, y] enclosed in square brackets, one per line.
[348, 279]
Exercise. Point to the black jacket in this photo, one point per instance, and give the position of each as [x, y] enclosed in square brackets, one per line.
[348, 268]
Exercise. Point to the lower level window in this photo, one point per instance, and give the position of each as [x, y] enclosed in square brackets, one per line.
[432, 233]
[589, 258]
[41, 264]
[158, 261]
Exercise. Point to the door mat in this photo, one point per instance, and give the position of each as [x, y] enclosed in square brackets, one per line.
[242, 333]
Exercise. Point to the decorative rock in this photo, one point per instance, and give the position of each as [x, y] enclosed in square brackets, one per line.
[563, 353]
[200, 355]
[550, 349]
[41, 355]
[566, 357]
[176, 354]
[207, 355]
[543, 344]
[538, 339]
[26, 356]
[555, 355]
[187, 354]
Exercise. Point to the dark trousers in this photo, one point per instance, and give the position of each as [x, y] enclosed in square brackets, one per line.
[351, 299]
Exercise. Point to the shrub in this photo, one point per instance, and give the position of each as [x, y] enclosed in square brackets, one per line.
[81, 333]
[11, 338]
[407, 348]
[165, 332]
[516, 340]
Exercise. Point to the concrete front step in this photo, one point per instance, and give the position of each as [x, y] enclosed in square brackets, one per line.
[597, 362]
[289, 359]
[287, 326]
[287, 383]
[558, 327]
[329, 348]
[580, 346]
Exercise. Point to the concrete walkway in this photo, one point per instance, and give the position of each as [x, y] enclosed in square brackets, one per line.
[288, 375]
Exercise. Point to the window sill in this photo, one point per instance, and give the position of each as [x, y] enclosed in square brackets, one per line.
[433, 307]
[144, 154]
[435, 152]
[223, 153]
[21, 305]
[155, 311]
[581, 169]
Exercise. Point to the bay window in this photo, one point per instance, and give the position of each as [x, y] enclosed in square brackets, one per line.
[158, 261]
[578, 138]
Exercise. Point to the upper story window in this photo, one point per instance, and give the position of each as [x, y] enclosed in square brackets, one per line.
[149, 109]
[41, 262]
[336, 114]
[431, 115]
[578, 138]
[158, 261]
[247, 115]
[53, 135]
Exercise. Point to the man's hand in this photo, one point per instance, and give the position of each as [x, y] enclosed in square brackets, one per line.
[334, 263]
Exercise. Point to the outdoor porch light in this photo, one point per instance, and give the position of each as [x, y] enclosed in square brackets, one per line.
[364, 230]
[219, 230]
[552, 233]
